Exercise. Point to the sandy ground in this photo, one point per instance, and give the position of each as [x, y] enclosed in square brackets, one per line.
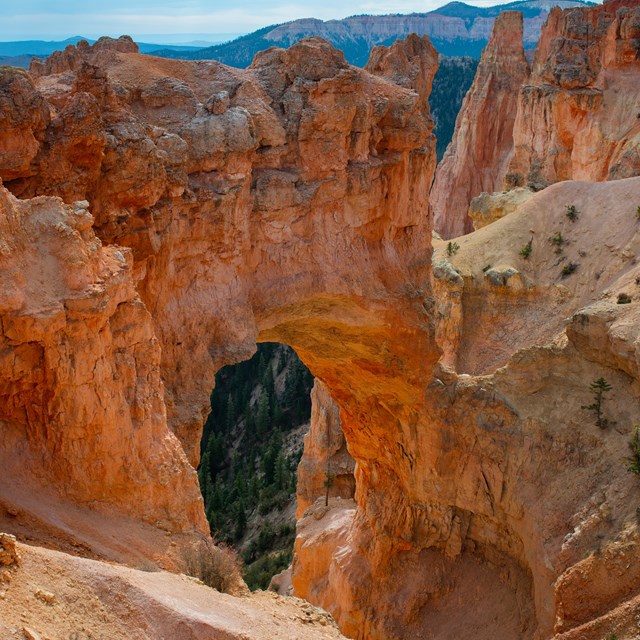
[55, 596]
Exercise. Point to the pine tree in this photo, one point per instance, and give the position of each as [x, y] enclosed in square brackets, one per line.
[241, 521]
[231, 414]
[262, 419]
[268, 381]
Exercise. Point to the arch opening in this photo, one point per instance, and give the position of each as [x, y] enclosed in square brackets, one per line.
[251, 474]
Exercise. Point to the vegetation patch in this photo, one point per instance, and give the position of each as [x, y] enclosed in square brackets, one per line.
[558, 241]
[572, 212]
[452, 248]
[633, 461]
[527, 249]
[250, 450]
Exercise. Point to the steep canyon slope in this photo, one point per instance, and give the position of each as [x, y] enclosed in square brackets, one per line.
[575, 116]
[288, 202]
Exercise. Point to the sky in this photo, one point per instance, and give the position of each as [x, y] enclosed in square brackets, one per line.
[195, 19]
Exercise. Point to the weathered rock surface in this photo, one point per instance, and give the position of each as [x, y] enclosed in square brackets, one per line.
[531, 485]
[280, 203]
[9, 555]
[477, 157]
[325, 459]
[489, 207]
[578, 112]
[90, 599]
[80, 389]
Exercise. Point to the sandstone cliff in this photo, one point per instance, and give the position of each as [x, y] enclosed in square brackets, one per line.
[252, 205]
[325, 459]
[476, 159]
[578, 113]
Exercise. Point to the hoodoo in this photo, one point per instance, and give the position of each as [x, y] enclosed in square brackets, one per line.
[477, 157]
[578, 113]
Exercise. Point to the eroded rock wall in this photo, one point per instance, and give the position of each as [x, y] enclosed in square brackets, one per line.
[81, 397]
[326, 468]
[286, 202]
[477, 157]
[578, 112]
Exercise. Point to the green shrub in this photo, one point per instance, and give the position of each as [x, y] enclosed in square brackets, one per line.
[572, 212]
[568, 269]
[452, 248]
[527, 249]
[557, 240]
[633, 461]
[624, 298]
[258, 574]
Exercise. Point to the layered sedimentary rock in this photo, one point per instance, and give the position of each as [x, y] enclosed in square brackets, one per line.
[477, 157]
[449, 23]
[578, 113]
[538, 500]
[80, 389]
[281, 203]
[288, 202]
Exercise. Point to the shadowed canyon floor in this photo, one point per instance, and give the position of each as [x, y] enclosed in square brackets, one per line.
[160, 217]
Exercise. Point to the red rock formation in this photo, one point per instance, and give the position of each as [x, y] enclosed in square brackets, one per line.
[80, 389]
[408, 63]
[477, 157]
[325, 458]
[24, 116]
[254, 204]
[578, 113]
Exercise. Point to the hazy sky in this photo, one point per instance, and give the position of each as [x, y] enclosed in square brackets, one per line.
[26, 19]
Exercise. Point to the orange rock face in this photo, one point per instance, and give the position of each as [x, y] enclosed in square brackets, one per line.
[578, 112]
[80, 389]
[477, 157]
[282, 203]
[325, 460]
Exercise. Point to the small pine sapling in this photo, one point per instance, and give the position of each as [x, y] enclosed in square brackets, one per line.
[557, 240]
[599, 387]
[527, 249]
[452, 248]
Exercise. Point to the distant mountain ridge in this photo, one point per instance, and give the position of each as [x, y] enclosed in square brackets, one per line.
[456, 29]
[47, 47]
